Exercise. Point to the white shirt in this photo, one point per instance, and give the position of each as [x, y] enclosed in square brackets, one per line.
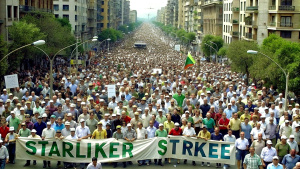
[69, 137]
[268, 154]
[82, 131]
[189, 131]
[91, 166]
[241, 144]
[146, 120]
[104, 123]
[293, 145]
[141, 133]
[48, 133]
[254, 132]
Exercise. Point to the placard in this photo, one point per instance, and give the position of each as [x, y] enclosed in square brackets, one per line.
[11, 81]
[177, 48]
[111, 90]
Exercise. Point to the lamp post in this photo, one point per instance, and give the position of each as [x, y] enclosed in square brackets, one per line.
[108, 45]
[36, 43]
[93, 40]
[210, 47]
[285, 72]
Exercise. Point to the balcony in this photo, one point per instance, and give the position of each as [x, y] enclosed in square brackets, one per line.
[272, 24]
[235, 9]
[1, 21]
[285, 24]
[235, 34]
[235, 21]
[248, 22]
[273, 7]
[248, 35]
[251, 8]
[25, 8]
[286, 8]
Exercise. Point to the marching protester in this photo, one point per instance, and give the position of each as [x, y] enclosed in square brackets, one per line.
[141, 94]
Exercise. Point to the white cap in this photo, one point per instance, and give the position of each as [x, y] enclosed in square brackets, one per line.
[33, 131]
[82, 120]
[113, 115]
[72, 129]
[106, 114]
[229, 104]
[22, 108]
[275, 158]
[269, 142]
[176, 124]
[48, 123]
[69, 114]
[159, 110]
[129, 125]
[263, 116]
[283, 137]
[160, 124]
[11, 128]
[286, 121]
[44, 115]
[67, 123]
[292, 136]
[72, 105]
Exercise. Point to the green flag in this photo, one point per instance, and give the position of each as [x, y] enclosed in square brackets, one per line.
[189, 61]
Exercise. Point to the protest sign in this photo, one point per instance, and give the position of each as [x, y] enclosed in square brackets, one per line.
[11, 81]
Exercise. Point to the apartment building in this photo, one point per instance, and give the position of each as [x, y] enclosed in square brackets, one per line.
[9, 12]
[115, 13]
[133, 16]
[212, 17]
[102, 14]
[73, 10]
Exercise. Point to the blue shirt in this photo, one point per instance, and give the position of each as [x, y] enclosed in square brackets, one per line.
[59, 127]
[290, 162]
[205, 109]
[247, 129]
[128, 97]
[228, 113]
[251, 108]
[216, 137]
[39, 128]
[151, 132]
[272, 166]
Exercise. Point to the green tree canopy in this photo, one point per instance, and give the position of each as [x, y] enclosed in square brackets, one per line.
[110, 33]
[3, 52]
[240, 60]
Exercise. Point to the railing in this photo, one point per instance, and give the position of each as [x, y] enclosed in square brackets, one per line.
[235, 33]
[287, 8]
[273, 7]
[284, 24]
[211, 1]
[248, 35]
[235, 9]
[251, 8]
[25, 8]
[235, 21]
[272, 23]
[249, 22]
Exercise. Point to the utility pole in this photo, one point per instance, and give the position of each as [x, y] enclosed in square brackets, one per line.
[122, 12]
[77, 52]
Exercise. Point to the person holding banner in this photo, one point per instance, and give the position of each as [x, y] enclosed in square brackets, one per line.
[241, 145]
[94, 164]
[48, 133]
[10, 139]
[129, 135]
[204, 134]
[141, 133]
[33, 135]
[161, 132]
[4, 155]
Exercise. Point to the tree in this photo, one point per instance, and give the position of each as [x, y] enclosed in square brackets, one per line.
[113, 34]
[191, 36]
[65, 23]
[23, 33]
[3, 52]
[240, 60]
[283, 52]
[223, 51]
[206, 43]
[123, 28]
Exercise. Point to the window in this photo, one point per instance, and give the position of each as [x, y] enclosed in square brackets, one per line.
[102, 2]
[56, 7]
[101, 25]
[75, 18]
[16, 11]
[9, 14]
[56, 16]
[75, 7]
[286, 2]
[66, 16]
[286, 34]
[102, 9]
[65, 7]
[285, 21]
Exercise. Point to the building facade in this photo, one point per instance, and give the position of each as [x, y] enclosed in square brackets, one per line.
[9, 12]
[133, 16]
[212, 17]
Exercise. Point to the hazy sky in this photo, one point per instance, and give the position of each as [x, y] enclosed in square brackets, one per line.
[142, 5]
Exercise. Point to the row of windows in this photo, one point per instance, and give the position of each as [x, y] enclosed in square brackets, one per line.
[12, 11]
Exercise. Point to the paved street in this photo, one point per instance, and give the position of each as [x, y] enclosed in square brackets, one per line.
[39, 165]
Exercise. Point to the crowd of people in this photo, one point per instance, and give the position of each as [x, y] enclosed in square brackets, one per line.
[207, 101]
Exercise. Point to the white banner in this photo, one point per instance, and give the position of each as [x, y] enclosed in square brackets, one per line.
[111, 90]
[112, 150]
[11, 81]
[177, 48]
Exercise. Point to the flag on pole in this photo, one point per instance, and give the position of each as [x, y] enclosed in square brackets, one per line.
[189, 61]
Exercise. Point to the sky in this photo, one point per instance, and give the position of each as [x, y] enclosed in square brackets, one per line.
[142, 5]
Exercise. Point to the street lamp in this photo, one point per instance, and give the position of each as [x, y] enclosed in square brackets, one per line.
[285, 72]
[210, 47]
[108, 45]
[36, 43]
[95, 38]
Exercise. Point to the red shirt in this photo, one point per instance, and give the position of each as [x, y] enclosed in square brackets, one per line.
[126, 119]
[4, 131]
[223, 122]
[218, 116]
[176, 133]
